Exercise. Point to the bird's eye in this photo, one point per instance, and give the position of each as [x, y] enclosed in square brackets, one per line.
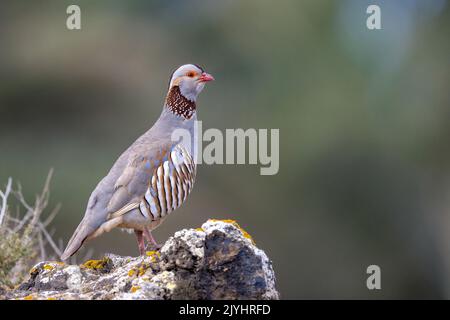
[190, 74]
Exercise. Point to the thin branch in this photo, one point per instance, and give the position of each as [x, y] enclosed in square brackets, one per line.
[41, 246]
[50, 240]
[4, 196]
[27, 232]
[52, 215]
[19, 196]
[41, 203]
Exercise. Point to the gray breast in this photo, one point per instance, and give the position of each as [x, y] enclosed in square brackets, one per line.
[170, 184]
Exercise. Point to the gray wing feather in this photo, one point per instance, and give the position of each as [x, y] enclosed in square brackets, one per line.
[126, 183]
[134, 181]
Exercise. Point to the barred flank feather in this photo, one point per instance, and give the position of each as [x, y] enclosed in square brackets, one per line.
[170, 184]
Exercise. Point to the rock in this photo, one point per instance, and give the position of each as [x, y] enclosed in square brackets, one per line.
[217, 261]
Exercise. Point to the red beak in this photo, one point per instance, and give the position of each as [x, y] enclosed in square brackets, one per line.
[205, 77]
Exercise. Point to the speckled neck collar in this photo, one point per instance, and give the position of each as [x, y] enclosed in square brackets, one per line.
[179, 104]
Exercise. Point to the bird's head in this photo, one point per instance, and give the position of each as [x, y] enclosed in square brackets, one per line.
[190, 79]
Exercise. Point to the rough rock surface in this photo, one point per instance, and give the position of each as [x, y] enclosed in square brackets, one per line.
[217, 261]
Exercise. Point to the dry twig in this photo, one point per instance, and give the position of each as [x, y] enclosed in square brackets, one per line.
[22, 236]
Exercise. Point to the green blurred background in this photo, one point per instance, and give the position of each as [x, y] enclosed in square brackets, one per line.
[364, 123]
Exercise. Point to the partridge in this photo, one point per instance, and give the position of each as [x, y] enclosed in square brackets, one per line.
[154, 176]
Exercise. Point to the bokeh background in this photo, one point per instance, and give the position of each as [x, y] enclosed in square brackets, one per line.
[364, 123]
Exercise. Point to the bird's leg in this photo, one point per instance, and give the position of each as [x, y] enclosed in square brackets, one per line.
[140, 241]
[149, 237]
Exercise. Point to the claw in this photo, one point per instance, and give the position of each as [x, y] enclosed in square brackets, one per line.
[155, 247]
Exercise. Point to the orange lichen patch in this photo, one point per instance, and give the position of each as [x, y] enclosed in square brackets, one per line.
[48, 267]
[95, 264]
[234, 223]
[224, 220]
[135, 288]
[29, 297]
[33, 270]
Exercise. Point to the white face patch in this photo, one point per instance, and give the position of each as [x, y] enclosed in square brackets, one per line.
[183, 70]
[190, 87]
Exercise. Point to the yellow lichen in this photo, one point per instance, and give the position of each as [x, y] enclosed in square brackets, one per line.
[223, 220]
[51, 298]
[29, 297]
[138, 270]
[154, 255]
[48, 267]
[135, 288]
[142, 269]
[234, 223]
[95, 264]
[200, 229]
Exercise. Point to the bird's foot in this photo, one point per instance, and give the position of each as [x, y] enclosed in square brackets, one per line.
[154, 246]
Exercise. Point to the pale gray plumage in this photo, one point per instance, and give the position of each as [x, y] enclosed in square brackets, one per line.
[154, 175]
